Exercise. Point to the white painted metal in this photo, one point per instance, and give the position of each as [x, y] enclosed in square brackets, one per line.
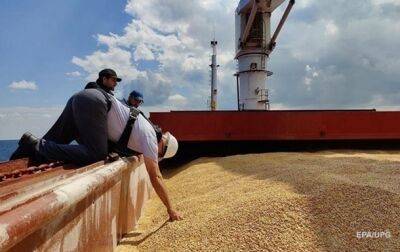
[253, 35]
[252, 80]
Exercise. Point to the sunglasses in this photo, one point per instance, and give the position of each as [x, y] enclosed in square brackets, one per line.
[114, 79]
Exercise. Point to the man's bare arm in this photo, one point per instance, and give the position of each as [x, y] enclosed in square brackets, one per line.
[159, 186]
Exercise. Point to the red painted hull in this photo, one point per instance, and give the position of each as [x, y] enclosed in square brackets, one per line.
[204, 126]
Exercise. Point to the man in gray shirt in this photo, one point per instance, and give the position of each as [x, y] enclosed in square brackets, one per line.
[84, 119]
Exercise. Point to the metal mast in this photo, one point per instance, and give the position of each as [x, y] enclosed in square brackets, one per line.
[214, 67]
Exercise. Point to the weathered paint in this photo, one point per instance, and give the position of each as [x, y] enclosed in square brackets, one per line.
[71, 239]
[89, 209]
[3, 234]
[132, 205]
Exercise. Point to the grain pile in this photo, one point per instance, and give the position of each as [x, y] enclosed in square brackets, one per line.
[279, 202]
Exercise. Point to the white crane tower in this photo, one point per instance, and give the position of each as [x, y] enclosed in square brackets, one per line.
[254, 44]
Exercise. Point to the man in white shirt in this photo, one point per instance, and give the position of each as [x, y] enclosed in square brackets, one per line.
[143, 139]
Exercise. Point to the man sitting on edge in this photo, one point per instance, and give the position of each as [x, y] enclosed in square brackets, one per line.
[84, 119]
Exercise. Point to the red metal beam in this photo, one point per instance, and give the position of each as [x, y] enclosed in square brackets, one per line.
[190, 126]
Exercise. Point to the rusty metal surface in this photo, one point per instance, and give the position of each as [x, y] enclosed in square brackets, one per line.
[89, 225]
[198, 126]
[73, 209]
[135, 194]
[22, 177]
[15, 164]
[17, 173]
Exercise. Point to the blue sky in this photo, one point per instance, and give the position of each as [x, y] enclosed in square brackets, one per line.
[39, 39]
[330, 54]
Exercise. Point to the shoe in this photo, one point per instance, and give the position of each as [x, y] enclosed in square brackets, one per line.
[26, 147]
[28, 139]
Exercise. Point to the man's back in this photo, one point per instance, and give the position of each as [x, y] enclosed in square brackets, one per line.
[143, 137]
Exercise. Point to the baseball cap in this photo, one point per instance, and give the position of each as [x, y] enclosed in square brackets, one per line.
[136, 95]
[109, 73]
